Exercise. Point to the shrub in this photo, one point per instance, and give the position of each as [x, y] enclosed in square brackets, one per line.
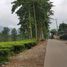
[10, 48]
[17, 48]
[30, 45]
[4, 53]
[64, 37]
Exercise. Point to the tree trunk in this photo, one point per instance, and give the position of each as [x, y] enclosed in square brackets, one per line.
[30, 27]
[35, 19]
[42, 33]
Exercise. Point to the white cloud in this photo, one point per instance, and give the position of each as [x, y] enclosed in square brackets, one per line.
[6, 18]
[11, 20]
[56, 2]
[60, 12]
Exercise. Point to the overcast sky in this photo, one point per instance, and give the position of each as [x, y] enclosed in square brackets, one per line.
[11, 20]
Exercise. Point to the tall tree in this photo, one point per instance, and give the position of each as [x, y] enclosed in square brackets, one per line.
[62, 27]
[14, 34]
[39, 11]
[5, 34]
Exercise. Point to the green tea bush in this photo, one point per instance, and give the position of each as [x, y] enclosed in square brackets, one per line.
[10, 48]
[17, 48]
[30, 45]
[4, 54]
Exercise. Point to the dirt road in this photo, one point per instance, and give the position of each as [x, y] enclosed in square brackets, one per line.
[56, 54]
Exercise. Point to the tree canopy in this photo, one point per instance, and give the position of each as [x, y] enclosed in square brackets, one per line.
[33, 16]
[5, 34]
[14, 34]
[62, 27]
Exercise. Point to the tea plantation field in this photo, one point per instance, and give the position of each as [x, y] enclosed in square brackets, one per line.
[8, 49]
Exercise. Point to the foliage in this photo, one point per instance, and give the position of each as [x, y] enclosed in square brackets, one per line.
[4, 54]
[53, 32]
[63, 37]
[1, 37]
[14, 34]
[63, 31]
[10, 44]
[33, 13]
[62, 27]
[9, 48]
[5, 34]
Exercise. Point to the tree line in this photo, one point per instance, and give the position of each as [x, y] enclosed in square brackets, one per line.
[9, 35]
[34, 20]
[34, 17]
[62, 31]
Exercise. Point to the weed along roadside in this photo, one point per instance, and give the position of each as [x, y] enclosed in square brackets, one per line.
[8, 49]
